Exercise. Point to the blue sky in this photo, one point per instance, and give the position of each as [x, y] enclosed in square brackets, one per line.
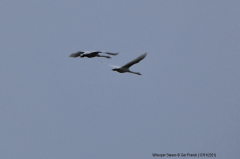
[186, 101]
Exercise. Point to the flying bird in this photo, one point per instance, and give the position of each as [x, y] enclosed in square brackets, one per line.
[91, 54]
[126, 67]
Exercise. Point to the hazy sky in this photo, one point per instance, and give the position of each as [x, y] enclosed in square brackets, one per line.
[56, 107]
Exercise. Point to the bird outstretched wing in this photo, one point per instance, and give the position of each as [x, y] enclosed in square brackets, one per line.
[114, 66]
[134, 61]
[77, 54]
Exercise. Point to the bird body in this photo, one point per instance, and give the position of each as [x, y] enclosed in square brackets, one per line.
[91, 54]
